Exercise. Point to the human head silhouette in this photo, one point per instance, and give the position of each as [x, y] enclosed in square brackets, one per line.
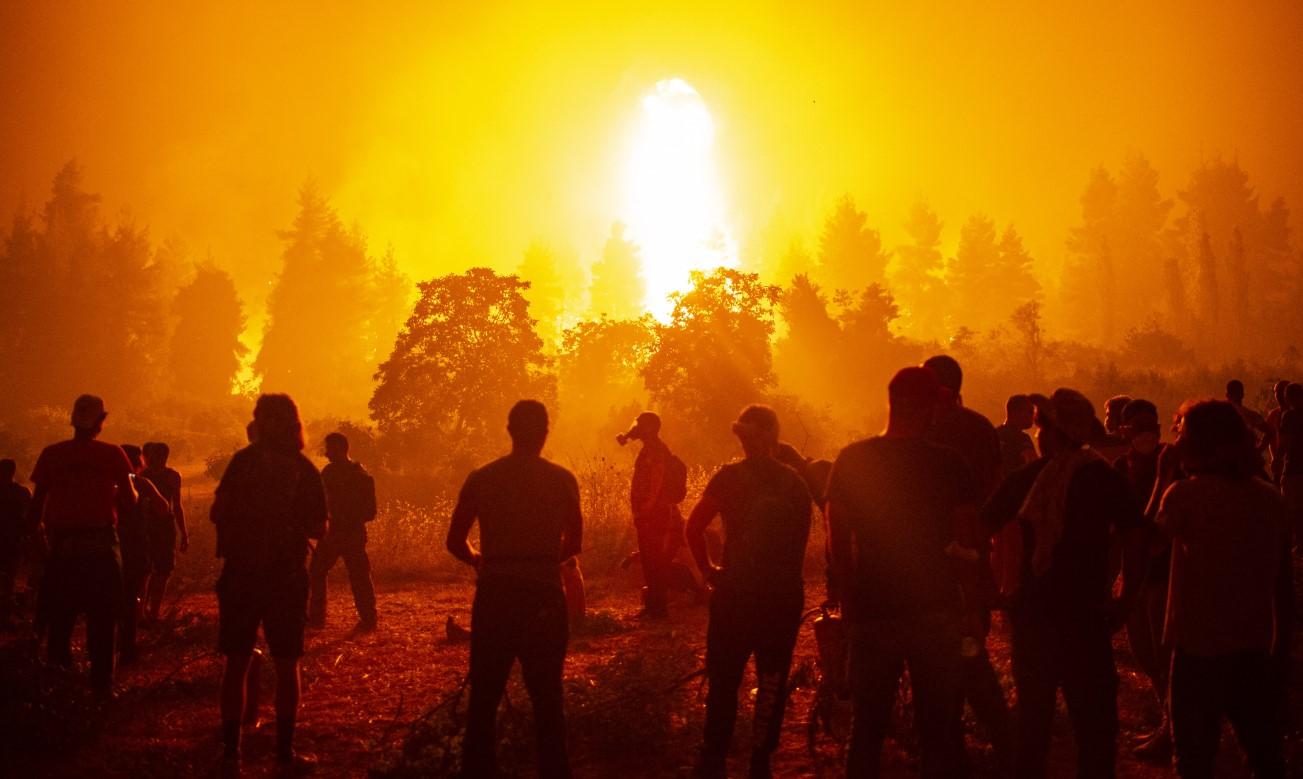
[88, 414]
[1215, 440]
[7, 470]
[336, 447]
[948, 375]
[912, 399]
[277, 424]
[1235, 391]
[527, 426]
[757, 429]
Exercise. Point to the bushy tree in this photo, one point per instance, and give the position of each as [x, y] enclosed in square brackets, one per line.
[973, 271]
[917, 276]
[1089, 288]
[598, 375]
[324, 314]
[850, 252]
[712, 358]
[206, 351]
[467, 353]
[618, 287]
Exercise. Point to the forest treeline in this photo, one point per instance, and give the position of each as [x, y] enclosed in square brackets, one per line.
[1156, 294]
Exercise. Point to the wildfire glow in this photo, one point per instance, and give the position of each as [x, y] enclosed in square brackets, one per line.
[672, 202]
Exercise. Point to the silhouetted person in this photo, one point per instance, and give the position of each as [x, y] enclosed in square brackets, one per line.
[133, 536]
[1141, 428]
[351, 496]
[1275, 458]
[1290, 450]
[1016, 450]
[530, 523]
[83, 487]
[1068, 503]
[896, 504]
[1230, 572]
[1108, 439]
[15, 501]
[267, 506]
[1255, 422]
[758, 590]
[1016, 446]
[977, 441]
[659, 484]
[167, 530]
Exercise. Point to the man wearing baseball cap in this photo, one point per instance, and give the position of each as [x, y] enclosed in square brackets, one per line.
[83, 488]
[897, 505]
[1069, 504]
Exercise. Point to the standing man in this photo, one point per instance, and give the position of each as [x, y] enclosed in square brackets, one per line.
[1256, 422]
[83, 488]
[977, 441]
[1069, 504]
[14, 503]
[659, 485]
[1289, 451]
[133, 537]
[896, 505]
[758, 591]
[268, 505]
[351, 497]
[530, 523]
[165, 527]
[1016, 447]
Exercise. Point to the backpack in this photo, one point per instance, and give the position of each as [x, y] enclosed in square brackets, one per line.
[676, 480]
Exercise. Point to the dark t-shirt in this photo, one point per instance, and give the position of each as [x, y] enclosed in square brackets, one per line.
[765, 506]
[1099, 501]
[1014, 445]
[350, 494]
[974, 437]
[82, 479]
[524, 505]
[1291, 425]
[266, 507]
[897, 497]
[14, 501]
[1140, 471]
[168, 482]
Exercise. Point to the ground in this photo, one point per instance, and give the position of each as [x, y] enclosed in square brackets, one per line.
[371, 701]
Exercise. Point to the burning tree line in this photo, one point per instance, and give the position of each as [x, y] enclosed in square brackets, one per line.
[1153, 293]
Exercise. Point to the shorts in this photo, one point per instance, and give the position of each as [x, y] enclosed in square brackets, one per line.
[277, 600]
[162, 548]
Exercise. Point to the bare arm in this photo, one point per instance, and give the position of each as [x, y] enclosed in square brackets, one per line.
[458, 543]
[702, 515]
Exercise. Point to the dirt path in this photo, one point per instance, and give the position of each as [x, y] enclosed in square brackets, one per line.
[630, 713]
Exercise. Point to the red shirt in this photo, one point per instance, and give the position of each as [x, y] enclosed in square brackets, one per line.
[82, 480]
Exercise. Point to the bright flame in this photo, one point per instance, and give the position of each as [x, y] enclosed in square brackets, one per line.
[672, 202]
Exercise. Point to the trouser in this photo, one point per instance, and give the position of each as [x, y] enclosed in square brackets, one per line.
[980, 686]
[350, 545]
[84, 574]
[526, 621]
[1291, 488]
[929, 646]
[10, 556]
[742, 624]
[1145, 633]
[1238, 686]
[1072, 651]
[135, 572]
[656, 546]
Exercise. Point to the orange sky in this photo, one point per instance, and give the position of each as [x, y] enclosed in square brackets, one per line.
[459, 132]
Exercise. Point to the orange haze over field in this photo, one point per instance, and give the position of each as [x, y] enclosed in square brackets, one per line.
[459, 132]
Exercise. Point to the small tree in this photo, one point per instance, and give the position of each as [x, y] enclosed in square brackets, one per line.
[206, 349]
[712, 358]
[466, 354]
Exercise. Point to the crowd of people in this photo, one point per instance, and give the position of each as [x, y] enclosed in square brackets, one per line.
[1093, 527]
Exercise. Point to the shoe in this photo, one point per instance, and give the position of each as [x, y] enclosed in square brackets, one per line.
[229, 767]
[103, 695]
[316, 623]
[653, 614]
[295, 764]
[759, 768]
[365, 626]
[128, 657]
